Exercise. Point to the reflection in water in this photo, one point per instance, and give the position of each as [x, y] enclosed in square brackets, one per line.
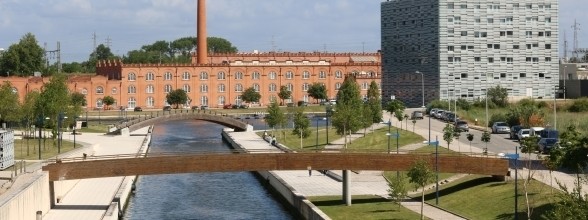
[199, 195]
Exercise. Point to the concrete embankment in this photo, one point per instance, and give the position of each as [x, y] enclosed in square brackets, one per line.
[303, 206]
[100, 198]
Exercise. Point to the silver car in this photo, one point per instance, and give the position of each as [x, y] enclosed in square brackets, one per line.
[500, 127]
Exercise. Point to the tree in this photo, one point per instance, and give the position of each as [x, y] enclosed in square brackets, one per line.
[177, 97]
[485, 138]
[572, 155]
[108, 101]
[284, 93]
[275, 116]
[529, 145]
[420, 174]
[9, 105]
[220, 45]
[374, 102]
[457, 135]
[22, 59]
[53, 100]
[470, 138]
[448, 134]
[498, 96]
[526, 115]
[366, 117]
[346, 119]
[398, 114]
[250, 95]
[301, 125]
[78, 98]
[28, 112]
[395, 105]
[317, 91]
[398, 190]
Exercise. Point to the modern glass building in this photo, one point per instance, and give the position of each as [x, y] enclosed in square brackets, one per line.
[448, 49]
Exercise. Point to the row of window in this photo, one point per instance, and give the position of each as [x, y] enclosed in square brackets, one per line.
[497, 46]
[491, 8]
[150, 89]
[167, 76]
[505, 20]
[507, 60]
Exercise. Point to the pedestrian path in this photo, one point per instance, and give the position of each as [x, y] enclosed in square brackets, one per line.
[90, 198]
[319, 184]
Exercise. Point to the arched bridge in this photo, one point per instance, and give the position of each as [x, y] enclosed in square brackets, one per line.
[206, 115]
[127, 165]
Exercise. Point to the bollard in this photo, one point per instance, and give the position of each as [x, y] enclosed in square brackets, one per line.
[39, 215]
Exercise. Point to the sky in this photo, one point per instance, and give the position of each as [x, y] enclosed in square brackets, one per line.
[264, 25]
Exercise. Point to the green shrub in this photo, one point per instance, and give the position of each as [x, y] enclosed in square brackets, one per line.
[463, 104]
[481, 103]
[579, 105]
[542, 104]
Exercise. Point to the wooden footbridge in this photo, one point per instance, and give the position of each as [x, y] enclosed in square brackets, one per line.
[127, 165]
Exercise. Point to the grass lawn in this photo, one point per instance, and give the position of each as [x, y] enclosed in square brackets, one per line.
[48, 148]
[378, 141]
[293, 141]
[375, 141]
[364, 207]
[482, 197]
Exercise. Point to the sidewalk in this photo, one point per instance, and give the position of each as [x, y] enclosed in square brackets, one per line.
[318, 184]
[90, 198]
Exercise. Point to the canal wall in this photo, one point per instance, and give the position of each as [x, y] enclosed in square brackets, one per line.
[305, 208]
[120, 201]
[24, 203]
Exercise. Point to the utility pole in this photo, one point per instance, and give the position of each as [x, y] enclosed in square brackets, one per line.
[50, 54]
[576, 28]
[108, 42]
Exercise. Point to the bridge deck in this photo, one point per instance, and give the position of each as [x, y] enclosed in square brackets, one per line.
[236, 162]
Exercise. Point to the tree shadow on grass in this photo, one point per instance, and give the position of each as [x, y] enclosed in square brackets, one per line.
[462, 186]
[338, 202]
[540, 212]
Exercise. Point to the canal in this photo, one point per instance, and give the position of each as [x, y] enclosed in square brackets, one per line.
[200, 195]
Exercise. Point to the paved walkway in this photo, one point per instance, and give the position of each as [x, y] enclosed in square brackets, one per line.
[88, 198]
[318, 184]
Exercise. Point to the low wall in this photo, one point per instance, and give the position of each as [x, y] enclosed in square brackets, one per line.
[304, 207]
[120, 200]
[23, 203]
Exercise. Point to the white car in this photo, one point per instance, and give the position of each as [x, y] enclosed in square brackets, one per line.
[523, 133]
[500, 127]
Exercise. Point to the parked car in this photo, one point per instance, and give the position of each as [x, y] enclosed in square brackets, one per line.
[500, 127]
[439, 113]
[462, 126]
[195, 107]
[536, 131]
[167, 108]
[138, 109]
[549, 139]
[227, 106]
[204, 107]
[302, 103]
[523, 133]
[514, 131]
[417, 115]
[432, 112]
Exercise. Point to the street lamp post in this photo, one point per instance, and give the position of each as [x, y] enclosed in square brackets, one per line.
[516, 185]
[422, 88]
[555, 109]
[316, 144]
[436, 142]
[60, 119]
[565, 75]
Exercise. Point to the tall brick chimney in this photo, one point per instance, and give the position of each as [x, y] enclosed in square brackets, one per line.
[202, 47]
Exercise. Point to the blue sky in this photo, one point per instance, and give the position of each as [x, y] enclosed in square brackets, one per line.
[287, 25]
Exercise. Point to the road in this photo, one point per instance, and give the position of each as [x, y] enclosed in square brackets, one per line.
[499, 143]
